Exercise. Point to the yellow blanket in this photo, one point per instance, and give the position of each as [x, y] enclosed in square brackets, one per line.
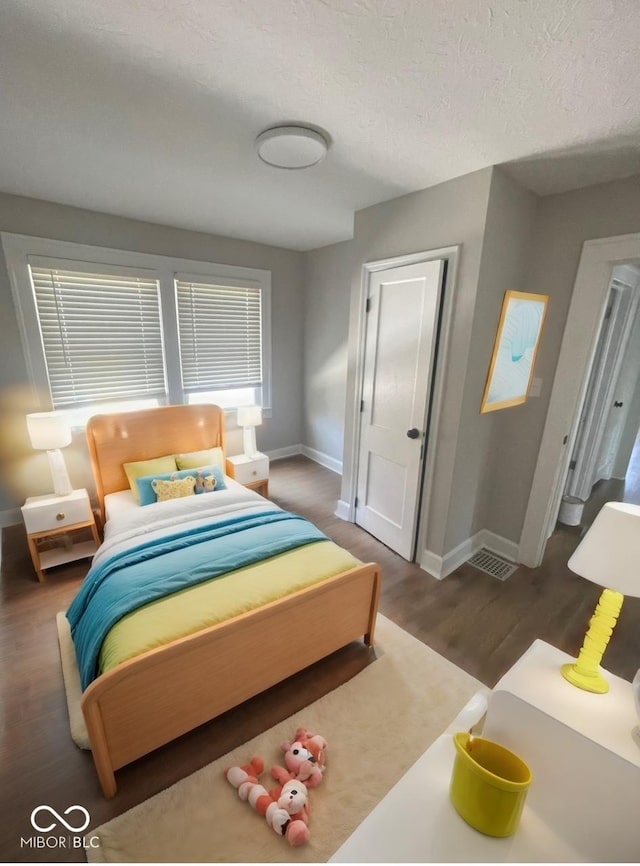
[209, 603]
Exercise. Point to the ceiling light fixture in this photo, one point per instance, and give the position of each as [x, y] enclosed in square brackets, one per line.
[291, 146]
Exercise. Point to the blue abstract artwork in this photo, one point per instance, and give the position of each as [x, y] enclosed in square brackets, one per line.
[515, 350]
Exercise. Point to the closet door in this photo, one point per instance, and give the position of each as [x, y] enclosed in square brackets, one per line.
[400, 348]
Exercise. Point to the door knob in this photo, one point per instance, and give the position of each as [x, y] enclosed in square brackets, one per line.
[413, 433]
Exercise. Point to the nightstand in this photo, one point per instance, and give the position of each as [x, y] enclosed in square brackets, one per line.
[253, 472]
[54, 517]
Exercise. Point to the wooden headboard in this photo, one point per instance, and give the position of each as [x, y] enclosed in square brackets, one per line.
[123, 437]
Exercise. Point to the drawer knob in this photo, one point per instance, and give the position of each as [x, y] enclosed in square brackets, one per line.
[255, 472]
[60, 515]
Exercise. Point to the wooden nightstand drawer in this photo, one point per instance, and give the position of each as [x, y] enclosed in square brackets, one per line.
[44, 513]
[247, 470]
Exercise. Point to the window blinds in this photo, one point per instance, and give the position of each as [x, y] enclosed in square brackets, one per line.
[220, 329]
[101, 335]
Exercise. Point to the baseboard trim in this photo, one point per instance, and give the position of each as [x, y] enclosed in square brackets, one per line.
[287, 451]
[10, 517]
[502, 546]
[317, 456]
[432, 564]
[442, 566]
[343, 511]
[323, 459]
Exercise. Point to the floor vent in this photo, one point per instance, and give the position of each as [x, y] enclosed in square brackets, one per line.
[492, 564]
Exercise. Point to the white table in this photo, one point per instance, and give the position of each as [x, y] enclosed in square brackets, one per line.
[583, 805]
[605, 719]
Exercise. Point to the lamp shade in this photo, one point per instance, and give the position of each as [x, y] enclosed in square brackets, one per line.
[609, 553]
[249, 416]
[48, 430]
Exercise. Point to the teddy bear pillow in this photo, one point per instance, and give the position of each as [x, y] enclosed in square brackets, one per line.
[173, 489]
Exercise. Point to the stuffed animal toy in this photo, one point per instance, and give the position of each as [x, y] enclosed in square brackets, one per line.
[174, 488]
[284, 808]
[304, 758]
[316, 744]
[205, 483]
[249, 774]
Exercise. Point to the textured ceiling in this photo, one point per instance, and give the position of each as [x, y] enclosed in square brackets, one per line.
[149, 108]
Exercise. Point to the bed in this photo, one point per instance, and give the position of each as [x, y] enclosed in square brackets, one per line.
[144, 702]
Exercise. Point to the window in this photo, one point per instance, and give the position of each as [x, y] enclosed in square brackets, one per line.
[113, 329]
[220, 332]
[101, 335]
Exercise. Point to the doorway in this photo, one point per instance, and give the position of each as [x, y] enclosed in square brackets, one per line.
[604, 451]
[586, 312]
[400, 347]
[625, 489]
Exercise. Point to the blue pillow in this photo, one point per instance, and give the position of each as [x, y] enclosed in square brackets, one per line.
[148, 494]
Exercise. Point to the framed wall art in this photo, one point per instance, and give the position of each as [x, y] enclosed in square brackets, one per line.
[514, 351]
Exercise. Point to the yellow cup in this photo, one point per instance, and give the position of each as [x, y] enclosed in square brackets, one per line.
[489, 785]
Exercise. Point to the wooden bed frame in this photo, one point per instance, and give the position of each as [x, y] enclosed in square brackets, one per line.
[150, 700]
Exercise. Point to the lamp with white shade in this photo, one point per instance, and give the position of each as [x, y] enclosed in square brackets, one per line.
[249, 417]
[608, 555]
[50, 432]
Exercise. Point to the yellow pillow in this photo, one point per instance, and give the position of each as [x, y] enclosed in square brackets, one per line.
[197, 459]
[175, 489]
[157, 466]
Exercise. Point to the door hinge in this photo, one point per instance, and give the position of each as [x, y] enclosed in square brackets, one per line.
[367, 308]
[357, 502]
[362, 405]
[572, 464]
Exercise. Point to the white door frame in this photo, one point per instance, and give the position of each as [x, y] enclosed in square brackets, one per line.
[593, 423]
[451, 256]
[588, 303]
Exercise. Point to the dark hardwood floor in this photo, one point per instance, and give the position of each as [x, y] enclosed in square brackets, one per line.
[481, 624]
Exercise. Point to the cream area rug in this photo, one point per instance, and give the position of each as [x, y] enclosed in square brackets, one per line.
[377, 725]
[72, 684]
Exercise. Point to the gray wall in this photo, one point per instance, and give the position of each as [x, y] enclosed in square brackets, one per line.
[45, 219]
[492, 217]
[534, 245]
[563, 223]
[327, 276]
[501, 496]
[445, 215]
[510, 239]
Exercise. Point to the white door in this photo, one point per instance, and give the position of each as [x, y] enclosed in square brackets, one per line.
[400, 347]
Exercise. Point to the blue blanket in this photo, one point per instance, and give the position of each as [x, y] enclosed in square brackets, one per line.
[126, 581]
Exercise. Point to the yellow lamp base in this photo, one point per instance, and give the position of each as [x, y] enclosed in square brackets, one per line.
[585, 672]
[590, 683]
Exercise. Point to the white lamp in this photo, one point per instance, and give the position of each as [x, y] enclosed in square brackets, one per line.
[249, 417]
[609, 555]
[49, 432]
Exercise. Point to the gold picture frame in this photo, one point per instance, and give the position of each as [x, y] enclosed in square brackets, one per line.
[515, 349]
